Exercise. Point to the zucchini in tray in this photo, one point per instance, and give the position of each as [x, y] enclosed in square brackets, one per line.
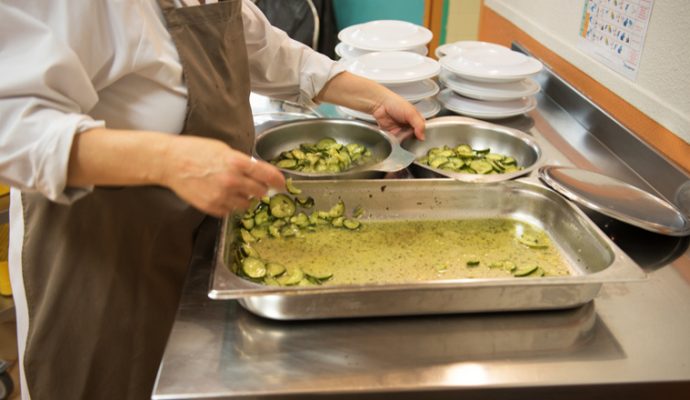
[278, 217]
[284, 240]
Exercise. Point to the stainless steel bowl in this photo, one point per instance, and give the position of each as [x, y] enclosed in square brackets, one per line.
[387, 155]
[453, 131]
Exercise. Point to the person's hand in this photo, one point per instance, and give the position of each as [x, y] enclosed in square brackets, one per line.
[394, 114]
[214, 178]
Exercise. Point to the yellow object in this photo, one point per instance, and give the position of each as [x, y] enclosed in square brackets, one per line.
[5, 288]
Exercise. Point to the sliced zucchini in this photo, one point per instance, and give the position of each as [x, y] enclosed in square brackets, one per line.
[319, 276]
[338, 222]
[315, 219]
[298, 154]
[305, 202]
[351, 224]
[466, 160]
[289, 231]
[259, 232]
[248, 223]
[337, 210]
[268, 281]
[532, 241]
[291, 277]
[274, 231]
[325, 143]
[253, 268]
[291, 188]
[274, 270]
[246, 236]
[287, 164]
[249, 251]
[473, 262]
[300, 220]
[464, 150]
[525, 270]
[436, 162]
[282, 206]
[495, 157]
[261, 218]
[481, 166]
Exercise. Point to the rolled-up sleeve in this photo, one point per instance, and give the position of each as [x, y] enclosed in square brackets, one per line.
[281, 67]
[44, 92]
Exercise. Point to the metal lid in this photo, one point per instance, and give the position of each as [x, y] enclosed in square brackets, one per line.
[616, 199]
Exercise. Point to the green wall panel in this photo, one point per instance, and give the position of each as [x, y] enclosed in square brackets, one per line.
[351, 12]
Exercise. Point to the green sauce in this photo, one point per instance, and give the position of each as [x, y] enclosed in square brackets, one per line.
[412, 251]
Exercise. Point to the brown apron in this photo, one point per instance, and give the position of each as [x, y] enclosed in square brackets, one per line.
[103, 276]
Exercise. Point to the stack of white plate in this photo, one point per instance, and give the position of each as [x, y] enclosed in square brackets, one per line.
[382, 35]
[486, 80]
[392, 53]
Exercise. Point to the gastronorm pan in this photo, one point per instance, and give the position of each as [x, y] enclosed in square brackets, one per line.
[591, 257]
[387, 155]
[452, 131]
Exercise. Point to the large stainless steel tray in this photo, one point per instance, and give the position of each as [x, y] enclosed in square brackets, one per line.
[592, 258]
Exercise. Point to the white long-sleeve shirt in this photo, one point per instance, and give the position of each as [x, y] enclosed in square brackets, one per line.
[69, 65]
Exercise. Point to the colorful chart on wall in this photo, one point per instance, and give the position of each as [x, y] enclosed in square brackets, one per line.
[613, 32]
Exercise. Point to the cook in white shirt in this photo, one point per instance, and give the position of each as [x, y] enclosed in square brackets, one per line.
[92, 94]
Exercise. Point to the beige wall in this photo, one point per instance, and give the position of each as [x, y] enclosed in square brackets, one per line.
[662, 87]
[463, 20]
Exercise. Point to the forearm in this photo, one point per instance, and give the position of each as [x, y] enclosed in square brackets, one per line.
[117, 157]
[392, 112]
[205, 172]
[354, 92]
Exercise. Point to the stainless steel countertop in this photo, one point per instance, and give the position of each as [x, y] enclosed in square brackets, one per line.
[633, 340]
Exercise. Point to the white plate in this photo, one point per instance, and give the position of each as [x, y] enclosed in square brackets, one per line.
[427, 107]
[451, 49]
[485, 109]
[346, 51]
[393, 67]
[385, 35]
[491, 65]
[416, 91]
[489, 91]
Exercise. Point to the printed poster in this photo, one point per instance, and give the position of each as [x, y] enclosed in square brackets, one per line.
[613, 32]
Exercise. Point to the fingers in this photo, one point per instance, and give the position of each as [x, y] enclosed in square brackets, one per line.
[266, 173]
[248, 187]
[398, 115]
[418, 123]
[231, 205]
[259, 171]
